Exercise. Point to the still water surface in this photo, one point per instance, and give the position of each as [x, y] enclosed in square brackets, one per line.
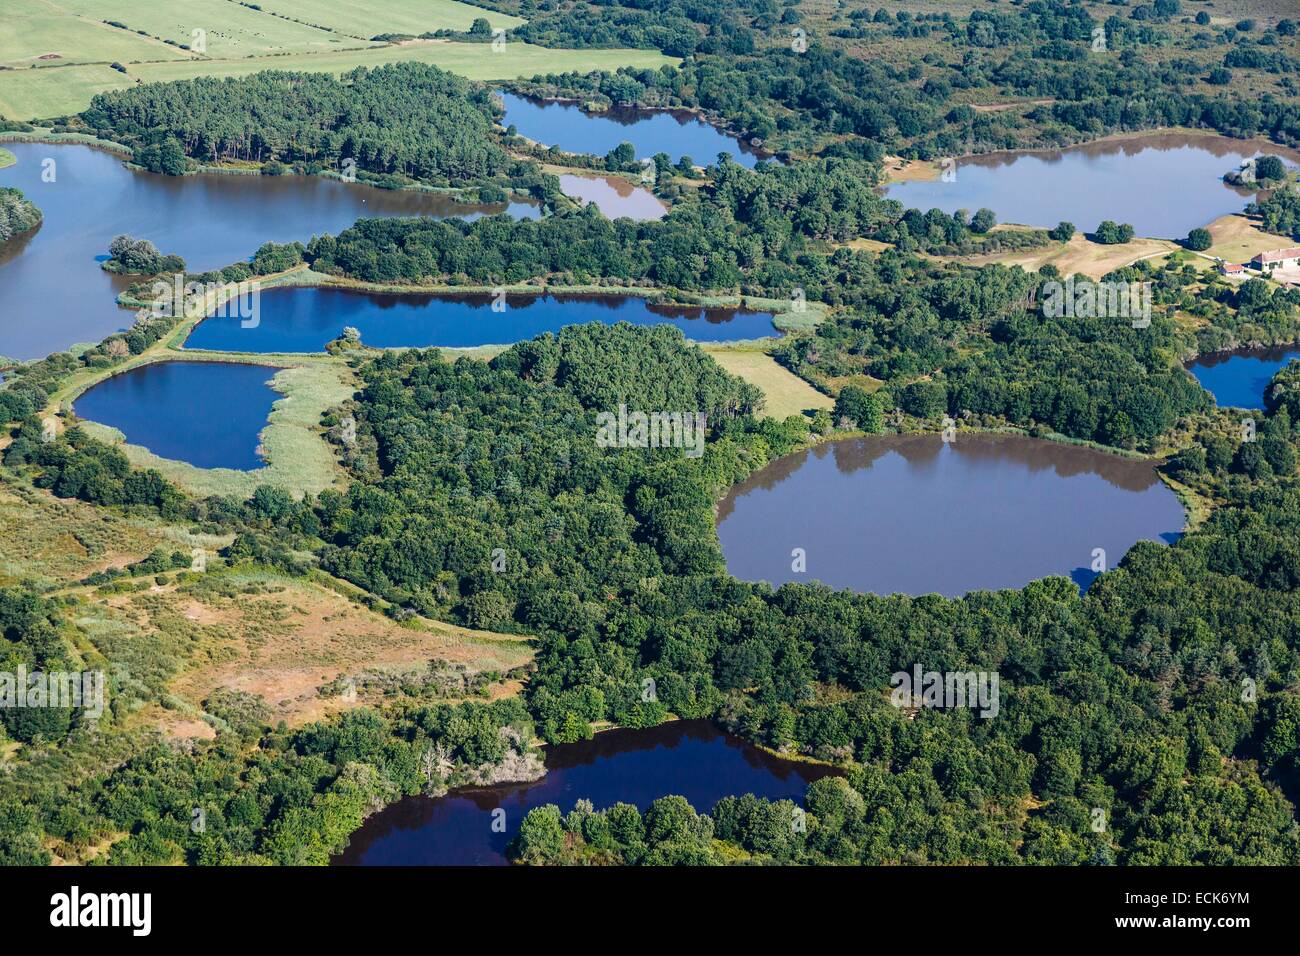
[916, 515]
[1163, 184]
[675, 132]
[305, 319]
[53, 293]
[614, 196]
[206, 413]
[689, 758]
[1238, 379]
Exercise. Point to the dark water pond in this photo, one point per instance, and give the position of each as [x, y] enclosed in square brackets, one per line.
[675, 132]
[916, 515]
[304, 319]
[1238, 379]
[614, 196]
[53, 293]
[1164, 184]
[689, 758]
[206, 413]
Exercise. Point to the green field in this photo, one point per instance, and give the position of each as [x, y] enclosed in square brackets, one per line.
[364, 18]
[787, 394]
[35, 29]
[229, 30]
[59, 91]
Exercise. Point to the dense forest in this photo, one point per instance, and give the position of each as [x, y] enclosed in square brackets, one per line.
[406, 120]
[749, 66]
[475, 491]
[760, 231]
[1127, 698]
[1099, 692]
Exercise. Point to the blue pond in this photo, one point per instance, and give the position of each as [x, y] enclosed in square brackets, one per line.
[1238, 379]
[206, 413]
[677, 133]
[53, 292]
[305, 319]
[690, 758]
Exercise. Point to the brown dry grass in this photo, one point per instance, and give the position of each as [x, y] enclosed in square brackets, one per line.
[898, 170]
[866, 245]
[1078, 256]
[282, 638]
[1237, 238]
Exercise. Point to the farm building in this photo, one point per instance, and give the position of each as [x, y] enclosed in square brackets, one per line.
[1277, 259]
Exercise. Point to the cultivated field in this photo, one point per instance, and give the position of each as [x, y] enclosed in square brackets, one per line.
[227, 29]
[328, 36]
[364, 18]
[36, 31]
[55, 91]
[474, 60]
[50, 92]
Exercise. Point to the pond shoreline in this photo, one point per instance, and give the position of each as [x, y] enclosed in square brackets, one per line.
[785, 319]
[708, 117]
[1127, 136]
[1164, 182]
[1047, 505]
[617, 764]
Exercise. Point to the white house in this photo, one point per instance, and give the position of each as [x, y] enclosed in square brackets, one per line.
[1277, 259]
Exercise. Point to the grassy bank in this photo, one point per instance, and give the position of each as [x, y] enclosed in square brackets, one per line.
[298, 458]
[49, 136]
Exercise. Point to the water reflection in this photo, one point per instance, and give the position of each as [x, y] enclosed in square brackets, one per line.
[209, 414]
[1238, 379]
[678, 133]
[691, 758]
[305, 319]
[614, 196]
[1163, 184]
[53, 293]
[914, 514]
